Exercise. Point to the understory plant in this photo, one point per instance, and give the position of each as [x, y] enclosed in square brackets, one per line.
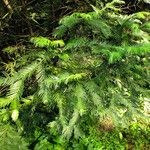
[98, 76]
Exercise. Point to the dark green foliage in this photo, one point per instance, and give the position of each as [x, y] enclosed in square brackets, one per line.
[65, 95]
[95, 138]
[124, 139]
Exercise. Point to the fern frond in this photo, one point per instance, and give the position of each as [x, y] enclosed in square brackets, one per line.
[40, 73]
[66, 24]
[141, 49]
[79, 109]
[67, 131]
[81, 96]
[61, 103]
[116, 53]
[4, 102]
[26, 72]
[45, 42]
[65, 78]
[40, 77]
[43, 92]
[77, 43]
[98, 25]
[16, 90]
[60, 31]
[75, 77]
[93, 90]
[40, 41]
[57, 43]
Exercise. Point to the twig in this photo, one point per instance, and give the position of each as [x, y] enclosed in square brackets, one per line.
[8, 6]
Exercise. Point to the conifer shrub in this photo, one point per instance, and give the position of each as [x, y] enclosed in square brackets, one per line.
[65, 93]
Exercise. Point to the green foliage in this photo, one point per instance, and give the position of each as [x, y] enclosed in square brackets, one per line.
[10, 139]
[96, 138]
[44, 42]
[124, 139]
[66, 96]
[4, 102]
